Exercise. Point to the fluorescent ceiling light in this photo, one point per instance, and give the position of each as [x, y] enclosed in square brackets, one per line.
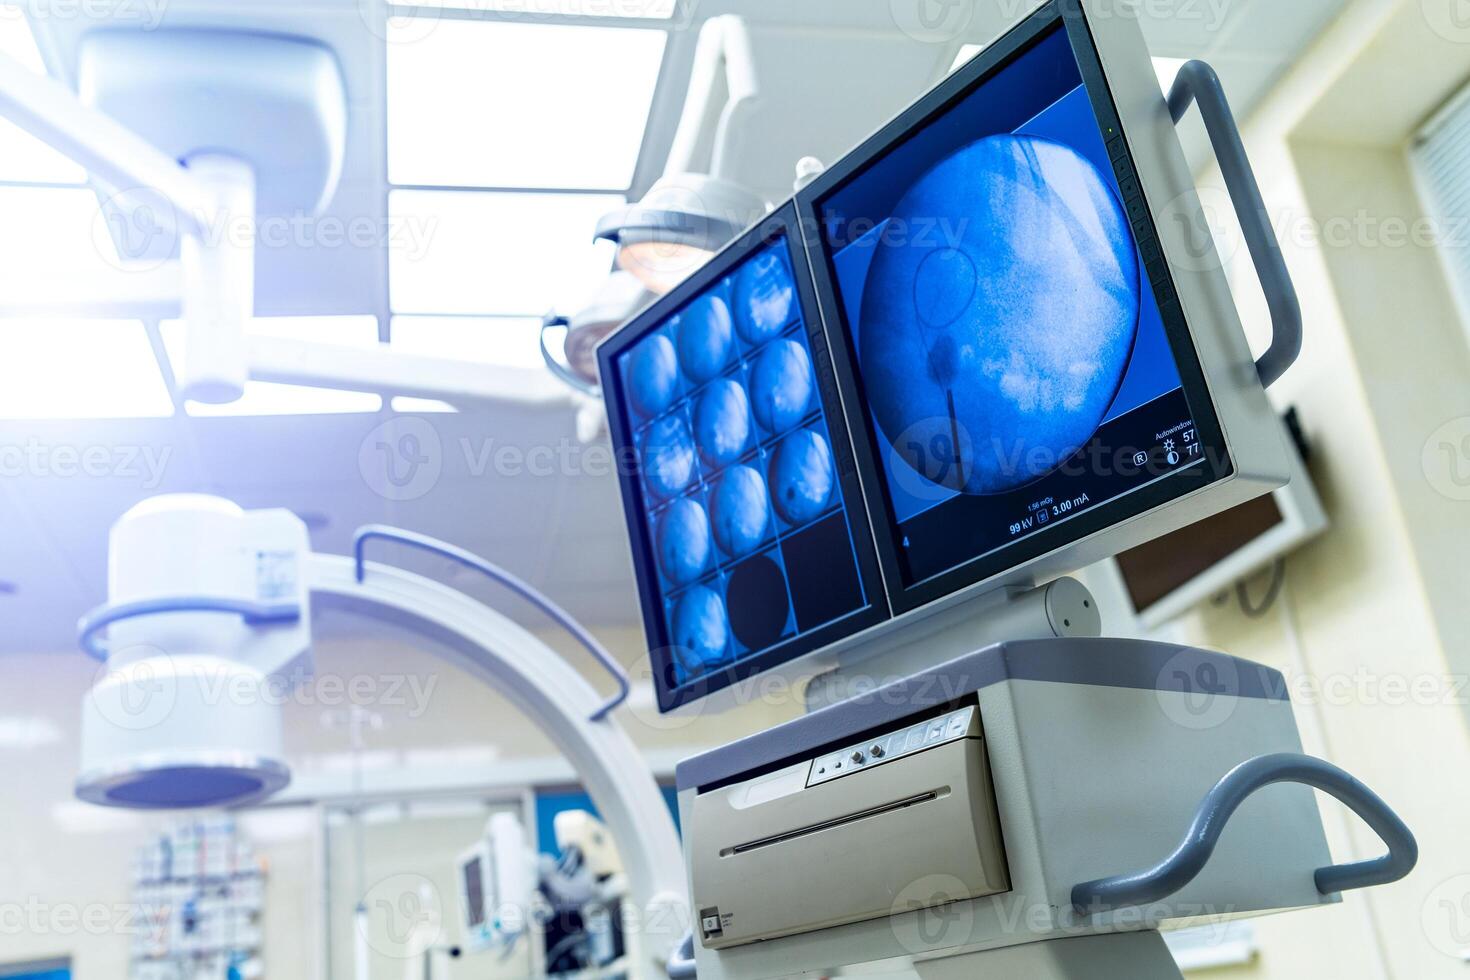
[79, 369]
[404, 405]
[53, 241]
[623, 9]
[1168, 69]
[269, 398]
[493, 104]
[966, 52]
[499, 254]
[22, 156]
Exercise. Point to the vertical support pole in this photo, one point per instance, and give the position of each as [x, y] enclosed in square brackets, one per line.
[218, 258]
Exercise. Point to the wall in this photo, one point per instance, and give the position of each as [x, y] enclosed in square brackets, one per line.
[1372, 628]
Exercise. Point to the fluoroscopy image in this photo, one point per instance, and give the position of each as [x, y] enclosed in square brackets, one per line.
[684, 541]
[668, 456]
[801, 476]
[722, 422]
[701, 628]
[998, 289]
[704, 338]
[741, 511]
[765, 297]
[747, 544]
[653, 376]
[781, 385]
[1016, 332]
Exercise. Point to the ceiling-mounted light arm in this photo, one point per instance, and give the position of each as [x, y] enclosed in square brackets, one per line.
[692, 211]
[742, 88]
[219, 282]
[722, 78]
[212, 201]
[112, 154]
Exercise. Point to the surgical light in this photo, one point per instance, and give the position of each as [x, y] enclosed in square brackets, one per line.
[681, 222]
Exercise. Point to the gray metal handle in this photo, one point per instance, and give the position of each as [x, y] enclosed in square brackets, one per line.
[1198, 83]
[520, 587]
[104, 616]
[569, 377]
[681, 960]
[1220, 804]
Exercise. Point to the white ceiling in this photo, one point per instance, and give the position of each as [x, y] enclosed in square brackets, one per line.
[837, 70]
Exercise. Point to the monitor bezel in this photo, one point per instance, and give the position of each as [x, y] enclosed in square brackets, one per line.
[1217, 465]
[781, 222]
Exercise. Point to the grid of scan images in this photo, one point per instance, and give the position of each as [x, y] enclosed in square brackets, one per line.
[741, 494]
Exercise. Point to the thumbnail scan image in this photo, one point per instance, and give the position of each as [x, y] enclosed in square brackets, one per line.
[737, 472]
[1003, 336]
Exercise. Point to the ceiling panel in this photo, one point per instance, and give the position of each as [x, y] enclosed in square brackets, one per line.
[489, 104]
[507, 254]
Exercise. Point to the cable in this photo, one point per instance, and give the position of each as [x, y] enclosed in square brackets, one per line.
[1273, 592]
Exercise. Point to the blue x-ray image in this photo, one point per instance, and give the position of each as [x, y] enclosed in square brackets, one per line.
[1013, 332]
[653, 375]
[781, 385]
[722, 422]
[668, 456]
[801, 476]
[704, 337]
[684, 541]
[740, 510]
[747, 544]
[765, 298]
[701, 629]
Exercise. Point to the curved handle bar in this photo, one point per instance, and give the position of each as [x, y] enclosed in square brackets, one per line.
[1220, 804]
[520, 587]
[1197, 82]
[103, 616]
[681, 960]
[567, 376]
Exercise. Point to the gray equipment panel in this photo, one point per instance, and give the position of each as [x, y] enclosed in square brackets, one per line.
[1087, 741]
[838, 838]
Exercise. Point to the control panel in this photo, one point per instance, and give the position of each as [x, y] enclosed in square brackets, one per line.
[957, 724]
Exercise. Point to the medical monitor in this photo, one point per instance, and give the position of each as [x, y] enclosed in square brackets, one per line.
[749, 536]
[1008, 310]
[1005, 323]
[496, 885]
